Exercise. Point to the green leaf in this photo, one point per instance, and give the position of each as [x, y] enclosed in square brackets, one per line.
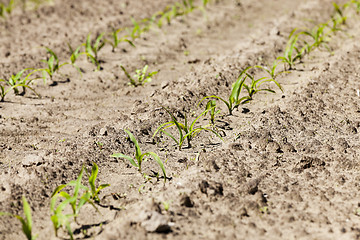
[57, 190]
[236, 89]
[27, 211]
[159, 162]
[120, 155]
[179, 127]
[137, 147]
[228, 104]
[93, 176]
[171, 136]
[99, 43]
[132, 81]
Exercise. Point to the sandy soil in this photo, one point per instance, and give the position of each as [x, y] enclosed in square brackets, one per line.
[288, 165]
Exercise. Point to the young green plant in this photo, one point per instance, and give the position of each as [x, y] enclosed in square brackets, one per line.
[16, 81]
[205, 3]
[116, 40]
[234, 98]
[339, 14]
[92, 48]
[272, 70]
[254, 87]
[140, 77]
[186, 131]
[58, 217]
[95, 190]
[74, 56]
[76, 201]
[137, 30]
[6, 8]
[53, 64]
[211, 109]
[318, 35]
[25, 222]
[189, 6]
[139, 156]
[292, 52]
[357, 5]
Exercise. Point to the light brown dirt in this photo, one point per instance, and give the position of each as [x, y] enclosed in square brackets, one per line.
[288, 165]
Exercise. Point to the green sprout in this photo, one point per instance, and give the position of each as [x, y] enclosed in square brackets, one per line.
[116, 40]
[136, 31]
[53, 64]
[272, 70]
[76, 201]
[59, 219]
[140, 76]
[139, 156]
[92, 49]
[292, 52]
[25, 222]
[318, 35]
[166, 205]
[158, 17]
[234, 98]
[357, 5]
[205, 3]
[6, 9]
[95, 190]
[340, 17]
[186, 131]
[189, 6]
[16, 81]
[74, 56]
[210, 108]
[254, 87]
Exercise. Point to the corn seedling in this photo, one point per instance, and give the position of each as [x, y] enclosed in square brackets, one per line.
[158, 17]
[76, 201]
[339, 15]
[318, 35]
[189, 6]
[168, 14]
[136, 30]
[4, 91]
[139, 156]
[210, 108]
[25, 222]
[95, 190]
[172, 13]
[74, 56]
[53, 65]
[205, 3]
[92, 48]
[357, 5]
[254, 87]
[60, 219]
[16, 81]
[292, 52]
[186, 131]
[234, 98]
[6, 9]
[116, 40]
[140, 77]
[272, 70]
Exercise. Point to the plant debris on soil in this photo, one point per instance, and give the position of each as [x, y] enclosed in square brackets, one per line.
[282, 166]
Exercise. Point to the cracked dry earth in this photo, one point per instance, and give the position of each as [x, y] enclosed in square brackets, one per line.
[288, 167]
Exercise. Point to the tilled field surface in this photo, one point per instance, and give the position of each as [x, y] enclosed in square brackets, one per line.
[287, 166]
